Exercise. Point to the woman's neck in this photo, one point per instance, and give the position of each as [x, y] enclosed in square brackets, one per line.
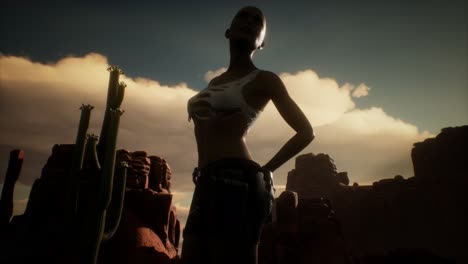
[240, 59]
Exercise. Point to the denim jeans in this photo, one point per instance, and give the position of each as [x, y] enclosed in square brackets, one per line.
[231, 202]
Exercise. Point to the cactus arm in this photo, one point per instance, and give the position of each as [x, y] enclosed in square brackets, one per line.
[98, 212]
[91, 157]
[113, 85]
[117, 202]
[78, 156]
[107, 177]
[91, 238]
[81, 136]
[6, 201]
[89, 216]
[114, 99]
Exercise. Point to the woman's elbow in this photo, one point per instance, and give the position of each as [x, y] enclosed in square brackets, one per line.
[308, 134]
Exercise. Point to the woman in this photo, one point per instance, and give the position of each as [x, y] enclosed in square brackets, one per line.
[233, 194]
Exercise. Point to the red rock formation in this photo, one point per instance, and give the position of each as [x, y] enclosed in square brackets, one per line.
[314, 176]
[143, 234]
[442, 159]
[305, 231]
[427, 212]
[40, 234]
[160, 174]
[148, 232]
[139, 170]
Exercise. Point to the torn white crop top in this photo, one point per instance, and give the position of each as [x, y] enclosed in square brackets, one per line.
[226, 98]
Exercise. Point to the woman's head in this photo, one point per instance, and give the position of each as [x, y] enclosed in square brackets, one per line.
[248, 27]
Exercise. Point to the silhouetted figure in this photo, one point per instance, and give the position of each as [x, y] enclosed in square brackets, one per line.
[234, 194]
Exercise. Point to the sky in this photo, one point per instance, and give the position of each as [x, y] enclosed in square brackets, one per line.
[373, 77]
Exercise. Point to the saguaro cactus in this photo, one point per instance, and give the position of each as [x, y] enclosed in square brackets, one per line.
[92, 188]
[6, 201]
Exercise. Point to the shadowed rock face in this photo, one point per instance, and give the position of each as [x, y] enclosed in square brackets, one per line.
[314, 176]
[422, 218]
[149, 230]
[305, 231]
[442, 159]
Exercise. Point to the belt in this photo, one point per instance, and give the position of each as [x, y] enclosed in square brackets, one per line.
[267, 177]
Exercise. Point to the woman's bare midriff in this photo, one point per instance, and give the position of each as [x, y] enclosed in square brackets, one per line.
[221, 137]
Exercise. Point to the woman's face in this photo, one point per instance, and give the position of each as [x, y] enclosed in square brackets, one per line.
[248, 25]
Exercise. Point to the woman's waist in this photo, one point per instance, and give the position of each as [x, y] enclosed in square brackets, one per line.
[239, 168]
[209, 153]
[236, 172]
[231, 162]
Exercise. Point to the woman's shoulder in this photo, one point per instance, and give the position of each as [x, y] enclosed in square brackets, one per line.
[269, 79]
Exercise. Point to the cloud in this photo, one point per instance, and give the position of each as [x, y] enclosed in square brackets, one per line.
[321, 98]
[182, 201]
[41, 102]
[360, 91]
[209, 75]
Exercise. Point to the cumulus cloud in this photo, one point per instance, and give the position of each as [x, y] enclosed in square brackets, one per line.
[361, 90]
[42, 101]
[39, 104]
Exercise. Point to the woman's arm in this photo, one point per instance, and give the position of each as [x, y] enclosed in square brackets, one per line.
[292, 114]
